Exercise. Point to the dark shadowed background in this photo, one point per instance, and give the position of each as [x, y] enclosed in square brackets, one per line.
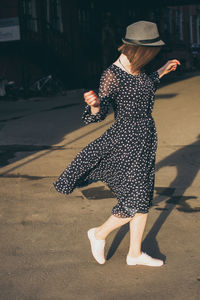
[75, 40]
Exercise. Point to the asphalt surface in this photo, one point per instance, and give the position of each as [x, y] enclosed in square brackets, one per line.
[44, 251]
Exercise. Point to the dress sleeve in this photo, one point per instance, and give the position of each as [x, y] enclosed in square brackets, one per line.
[107, 90]
[154, 76]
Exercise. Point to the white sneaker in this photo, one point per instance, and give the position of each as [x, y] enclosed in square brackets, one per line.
[97, 246]
[144, 259]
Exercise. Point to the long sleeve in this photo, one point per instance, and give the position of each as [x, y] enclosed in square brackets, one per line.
[154, 76]
[107, 90]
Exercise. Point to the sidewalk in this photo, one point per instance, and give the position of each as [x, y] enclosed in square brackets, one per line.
[21, 107]
[45, 252]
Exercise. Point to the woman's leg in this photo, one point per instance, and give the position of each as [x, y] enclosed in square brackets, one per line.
[137, 226]
[135, 255]
[110, 224]
[98, 235]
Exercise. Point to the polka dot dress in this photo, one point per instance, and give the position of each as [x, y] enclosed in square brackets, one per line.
[124, 155]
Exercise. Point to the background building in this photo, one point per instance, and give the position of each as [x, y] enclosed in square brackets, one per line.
[75, 40]
[10, 57]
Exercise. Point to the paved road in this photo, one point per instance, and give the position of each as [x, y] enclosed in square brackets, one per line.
[44, 248]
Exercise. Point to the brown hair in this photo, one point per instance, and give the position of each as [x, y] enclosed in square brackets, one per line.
[139, 56]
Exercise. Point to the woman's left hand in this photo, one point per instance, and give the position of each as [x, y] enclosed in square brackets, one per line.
[171, 65]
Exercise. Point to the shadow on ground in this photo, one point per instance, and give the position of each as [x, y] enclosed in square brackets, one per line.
[187, 162]
[57, 115]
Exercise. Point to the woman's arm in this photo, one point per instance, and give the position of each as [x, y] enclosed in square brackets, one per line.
[97, 107]
[93, 101]
[95, 110]
[171, 65]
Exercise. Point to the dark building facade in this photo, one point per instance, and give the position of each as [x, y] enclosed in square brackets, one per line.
[76, 40]
[9, 40]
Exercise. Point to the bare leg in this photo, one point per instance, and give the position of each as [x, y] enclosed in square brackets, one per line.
[137, 226]
[110, 224]
[135, 255]
[97, 236]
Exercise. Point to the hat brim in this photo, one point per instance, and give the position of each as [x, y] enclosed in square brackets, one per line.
[158, 43]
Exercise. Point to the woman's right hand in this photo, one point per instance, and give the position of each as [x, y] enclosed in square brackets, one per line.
[91, 99]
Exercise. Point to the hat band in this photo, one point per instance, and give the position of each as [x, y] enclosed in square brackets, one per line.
[143, 41]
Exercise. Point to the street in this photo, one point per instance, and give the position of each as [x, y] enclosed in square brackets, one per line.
[45, 252]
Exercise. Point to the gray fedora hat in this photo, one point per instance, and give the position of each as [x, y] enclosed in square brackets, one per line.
[143, 33]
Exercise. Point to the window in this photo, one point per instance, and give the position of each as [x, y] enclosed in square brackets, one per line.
[198, 30]
[84, 17]
[170, 20]
[48, 14]
[54, 15]
[191, 31]
[194, 26]
[30, 13]
[179, 27]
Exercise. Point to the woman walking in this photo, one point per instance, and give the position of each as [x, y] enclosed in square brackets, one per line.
[124, 155]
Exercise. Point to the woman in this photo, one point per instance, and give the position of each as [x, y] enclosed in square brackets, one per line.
[124, 155]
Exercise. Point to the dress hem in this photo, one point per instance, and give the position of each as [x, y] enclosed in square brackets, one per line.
[131, 216]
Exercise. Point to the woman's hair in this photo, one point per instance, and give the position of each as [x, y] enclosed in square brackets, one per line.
[139, 56]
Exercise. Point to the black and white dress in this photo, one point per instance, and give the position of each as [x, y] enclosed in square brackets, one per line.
[124, 155]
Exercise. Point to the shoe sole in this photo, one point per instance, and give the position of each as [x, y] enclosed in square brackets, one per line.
[149, 265]
[143, 264]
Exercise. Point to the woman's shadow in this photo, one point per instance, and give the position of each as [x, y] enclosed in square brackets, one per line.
[187, 162]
